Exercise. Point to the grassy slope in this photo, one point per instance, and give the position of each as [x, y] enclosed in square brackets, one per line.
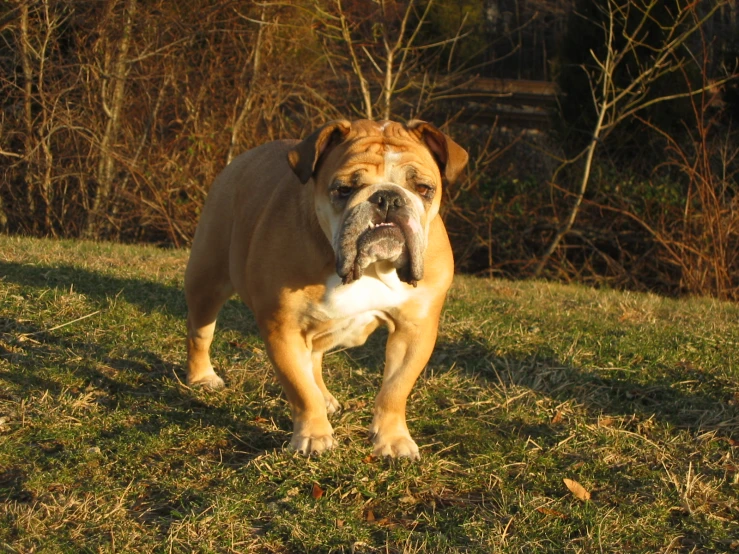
[102, 448]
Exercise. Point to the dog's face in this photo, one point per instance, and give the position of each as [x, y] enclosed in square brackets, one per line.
[377, 187]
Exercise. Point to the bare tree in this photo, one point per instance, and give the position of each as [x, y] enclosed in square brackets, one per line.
[251, 88]
[42, 109]
[625, 33]
[382, 48]
[112, 103]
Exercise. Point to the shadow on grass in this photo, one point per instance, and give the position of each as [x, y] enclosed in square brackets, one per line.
[607, 392]
[132, 379]
[139, 407]
[122, 380]
[148, 296]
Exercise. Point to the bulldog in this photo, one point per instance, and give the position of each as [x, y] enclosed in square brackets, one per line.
[324, 240]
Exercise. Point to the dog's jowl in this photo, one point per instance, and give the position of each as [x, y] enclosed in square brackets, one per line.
[325, 239]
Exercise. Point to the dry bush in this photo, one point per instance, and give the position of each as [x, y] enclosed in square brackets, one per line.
[123, 112]
[687, 215]
[700, 235]
[118, 114]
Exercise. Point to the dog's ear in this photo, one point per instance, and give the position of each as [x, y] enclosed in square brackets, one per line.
[450, 156]
[304, 156]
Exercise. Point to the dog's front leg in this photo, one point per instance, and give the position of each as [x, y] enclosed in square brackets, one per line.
[312, 432]
[409, 348]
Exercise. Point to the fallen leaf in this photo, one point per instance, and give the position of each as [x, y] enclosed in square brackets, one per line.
[577, 489]
[339, 523]
[368, 459]
[317, 492]
[550, 512]
[557, 417]
[370, 515]
[606, 422]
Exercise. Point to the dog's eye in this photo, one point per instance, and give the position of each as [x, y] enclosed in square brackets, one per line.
[343, 192]
[427, 191]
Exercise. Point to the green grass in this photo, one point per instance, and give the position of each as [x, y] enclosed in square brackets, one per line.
[104, 449]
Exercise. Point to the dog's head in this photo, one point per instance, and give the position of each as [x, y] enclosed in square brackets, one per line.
[377, 187]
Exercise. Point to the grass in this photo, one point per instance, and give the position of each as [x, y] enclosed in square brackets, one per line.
[104, 449]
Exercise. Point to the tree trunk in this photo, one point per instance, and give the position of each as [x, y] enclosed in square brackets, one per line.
[106, 165]
[25, 49]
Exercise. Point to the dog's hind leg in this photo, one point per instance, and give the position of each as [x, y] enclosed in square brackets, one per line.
[332, 405]
[204, 300]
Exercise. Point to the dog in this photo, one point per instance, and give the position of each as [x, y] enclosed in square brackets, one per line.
[325, 239]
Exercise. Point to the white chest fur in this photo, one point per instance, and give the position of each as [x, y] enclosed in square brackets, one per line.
[375, 291]
[350, 309]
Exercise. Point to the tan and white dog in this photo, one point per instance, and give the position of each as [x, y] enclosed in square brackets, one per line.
[322, 265]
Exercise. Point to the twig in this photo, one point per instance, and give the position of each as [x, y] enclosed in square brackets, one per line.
[60, 325]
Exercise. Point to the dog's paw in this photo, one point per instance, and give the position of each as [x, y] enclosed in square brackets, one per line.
[207, 381]
[312, 436]
[390, 436]
[396, 446]
[332, 405]
[312, 445]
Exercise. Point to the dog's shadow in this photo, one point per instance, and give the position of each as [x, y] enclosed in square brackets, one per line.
[40, 361]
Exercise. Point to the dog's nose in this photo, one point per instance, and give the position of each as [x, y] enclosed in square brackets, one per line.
[387, 200]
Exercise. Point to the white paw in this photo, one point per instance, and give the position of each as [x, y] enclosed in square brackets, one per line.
[397, 446]
[207, 381]
[309, 445]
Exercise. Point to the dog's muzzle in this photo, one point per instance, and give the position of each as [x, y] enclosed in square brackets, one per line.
[383, 227]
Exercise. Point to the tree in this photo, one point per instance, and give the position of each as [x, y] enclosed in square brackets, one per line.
[619, 93]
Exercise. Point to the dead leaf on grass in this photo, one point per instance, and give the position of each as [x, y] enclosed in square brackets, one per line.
[557, 417]
[370, 515]
[317, 492]
[577, 489]
[550, 512]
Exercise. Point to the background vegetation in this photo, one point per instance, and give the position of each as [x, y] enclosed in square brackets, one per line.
[117, 115]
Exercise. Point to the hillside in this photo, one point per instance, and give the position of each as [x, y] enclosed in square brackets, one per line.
[103, 448]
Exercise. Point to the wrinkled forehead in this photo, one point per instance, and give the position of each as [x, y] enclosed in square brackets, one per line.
[373, 146]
